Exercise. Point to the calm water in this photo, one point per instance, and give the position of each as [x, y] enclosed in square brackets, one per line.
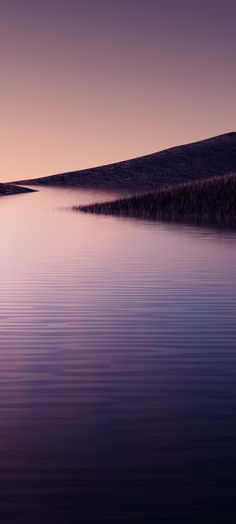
[117, 367]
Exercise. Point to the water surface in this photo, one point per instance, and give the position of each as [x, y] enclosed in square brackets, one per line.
[117, 366]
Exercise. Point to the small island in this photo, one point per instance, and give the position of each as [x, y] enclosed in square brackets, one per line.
[10, 189]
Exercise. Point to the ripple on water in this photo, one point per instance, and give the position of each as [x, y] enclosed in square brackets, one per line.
[117, 367]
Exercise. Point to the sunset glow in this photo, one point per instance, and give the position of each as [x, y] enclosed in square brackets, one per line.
[89, 83]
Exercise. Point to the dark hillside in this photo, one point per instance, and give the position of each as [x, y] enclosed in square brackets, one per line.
[200, 160]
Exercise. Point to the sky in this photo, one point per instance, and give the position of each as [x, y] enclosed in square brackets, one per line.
[86, 83]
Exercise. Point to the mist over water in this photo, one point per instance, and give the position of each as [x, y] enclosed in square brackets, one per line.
[117, 366]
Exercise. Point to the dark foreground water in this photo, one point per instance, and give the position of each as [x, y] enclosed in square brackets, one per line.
[117, 367]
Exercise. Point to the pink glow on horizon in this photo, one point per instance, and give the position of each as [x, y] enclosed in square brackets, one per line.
[83, 86]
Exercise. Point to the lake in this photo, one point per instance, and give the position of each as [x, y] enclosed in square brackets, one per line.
[117, 366]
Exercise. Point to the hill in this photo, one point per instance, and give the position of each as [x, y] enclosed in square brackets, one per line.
[212, 157]
[213, 199]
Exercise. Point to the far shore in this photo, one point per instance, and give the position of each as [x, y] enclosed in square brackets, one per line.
[182, 164]
[192, 182]
[11, 189]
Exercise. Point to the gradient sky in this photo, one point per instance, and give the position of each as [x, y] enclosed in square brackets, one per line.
[86, 83]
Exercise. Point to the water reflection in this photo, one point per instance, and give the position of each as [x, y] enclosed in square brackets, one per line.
[117, 366]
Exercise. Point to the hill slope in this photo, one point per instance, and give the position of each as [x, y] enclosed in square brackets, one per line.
[9, 189]
[213, 199]
[212, 157]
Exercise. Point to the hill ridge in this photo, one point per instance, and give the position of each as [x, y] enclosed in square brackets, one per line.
[214, 156]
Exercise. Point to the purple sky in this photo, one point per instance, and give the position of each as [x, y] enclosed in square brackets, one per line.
[85, 83]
